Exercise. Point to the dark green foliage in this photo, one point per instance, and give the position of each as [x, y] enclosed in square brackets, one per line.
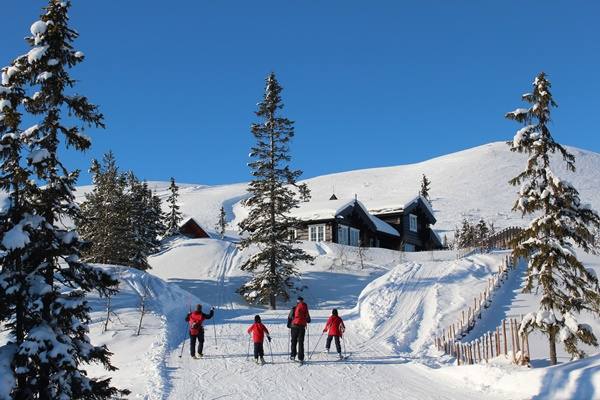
[561, 222]
[121, 219]
[104, 215]
[274, 192]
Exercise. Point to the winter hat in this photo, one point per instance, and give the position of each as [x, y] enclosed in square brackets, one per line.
[199, 307]
[300, 298]
[257, 318]
[334, 312]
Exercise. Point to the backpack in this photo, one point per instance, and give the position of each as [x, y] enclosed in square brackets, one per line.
[291, 317]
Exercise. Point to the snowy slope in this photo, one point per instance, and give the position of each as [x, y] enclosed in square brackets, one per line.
[389, 332]
[472, 183]
[392, 306]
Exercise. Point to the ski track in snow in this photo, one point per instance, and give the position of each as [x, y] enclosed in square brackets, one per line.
[393, 353]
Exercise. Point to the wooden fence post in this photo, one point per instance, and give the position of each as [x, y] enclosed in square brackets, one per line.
[504, 335]
[512, 339]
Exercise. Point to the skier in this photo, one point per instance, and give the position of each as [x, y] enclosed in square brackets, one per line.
[195, 320]
[335, 328]
[297, 322]
[258, 330]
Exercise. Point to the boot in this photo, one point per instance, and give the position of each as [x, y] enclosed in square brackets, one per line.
[256, 360]
[340, 356]
[262, 360]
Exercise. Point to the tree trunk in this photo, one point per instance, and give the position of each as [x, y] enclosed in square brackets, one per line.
[273, 302]
[552, 343]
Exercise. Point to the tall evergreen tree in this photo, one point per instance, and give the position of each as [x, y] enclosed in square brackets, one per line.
[425, 187]
[17, 220]
[560, 222]
[145, 223]
[103, 221]
[173, 217]
[274, 192]
[51, 344]
[222, 223]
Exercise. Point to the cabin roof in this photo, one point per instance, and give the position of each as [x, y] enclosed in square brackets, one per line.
[331, 209]
[191, 227]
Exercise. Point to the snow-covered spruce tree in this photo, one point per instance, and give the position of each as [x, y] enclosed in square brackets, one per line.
[18, 222]
[425, 187]
[560, 223]
[173, 217]
[222, 223]
[274, 192]
[55, 345]
[103, 221]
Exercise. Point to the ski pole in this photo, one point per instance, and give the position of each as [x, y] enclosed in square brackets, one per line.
[215, 332]
[271, 350]
[182, 345]
[308, 335]
[184, 338]
[248, 353]
[344, 343]
[317, 345]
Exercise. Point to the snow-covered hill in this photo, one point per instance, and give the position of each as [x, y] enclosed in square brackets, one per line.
[472, 183]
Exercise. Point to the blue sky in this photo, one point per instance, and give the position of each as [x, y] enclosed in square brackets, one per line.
[368, 83]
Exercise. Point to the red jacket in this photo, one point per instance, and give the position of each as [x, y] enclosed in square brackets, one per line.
[258, 331]
[195, 320]
[335, 326]
[301, 316]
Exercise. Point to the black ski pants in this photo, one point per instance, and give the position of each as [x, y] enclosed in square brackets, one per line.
[259, 350]
[338, 346]
[298, 333]
[200, 338]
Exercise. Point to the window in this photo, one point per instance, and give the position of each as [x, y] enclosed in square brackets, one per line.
[409, 247]
[354, 237]
[342, 234]
[293, 234]
[412, 222]
[316, 233]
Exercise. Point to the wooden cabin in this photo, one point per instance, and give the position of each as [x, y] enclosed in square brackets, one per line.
[413, 220]
[193, 230]
[402, 226]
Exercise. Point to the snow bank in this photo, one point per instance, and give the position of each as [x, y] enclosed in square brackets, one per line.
[574, 380]
[140, 359]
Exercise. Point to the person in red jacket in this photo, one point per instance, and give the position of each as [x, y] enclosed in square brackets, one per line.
[195, 320]
[298, 319]
[335, 329]
[258, 330]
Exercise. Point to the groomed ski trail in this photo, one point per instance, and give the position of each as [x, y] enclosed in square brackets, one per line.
[384, 365]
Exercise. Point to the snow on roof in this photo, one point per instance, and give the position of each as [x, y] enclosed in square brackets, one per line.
[382, 226]
[390, 206]
[330, 209]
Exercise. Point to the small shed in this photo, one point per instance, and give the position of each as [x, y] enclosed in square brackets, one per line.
[192, 229]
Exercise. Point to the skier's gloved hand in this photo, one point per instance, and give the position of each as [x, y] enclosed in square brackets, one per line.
[269, 338]
[324, 330]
